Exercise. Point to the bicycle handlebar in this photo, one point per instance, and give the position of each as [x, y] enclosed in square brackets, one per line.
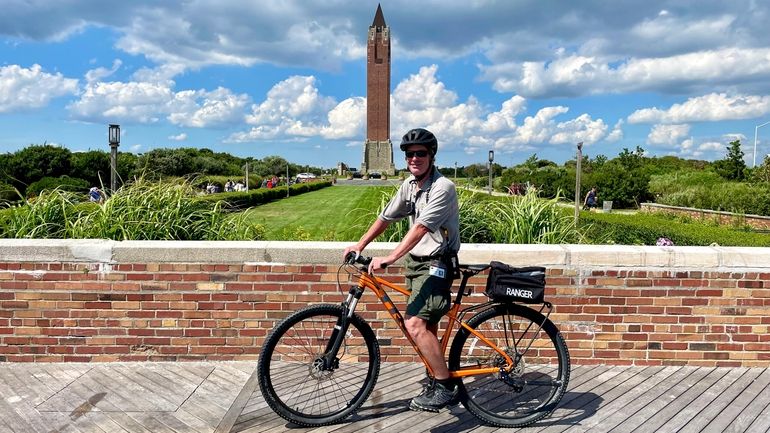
[354, 258]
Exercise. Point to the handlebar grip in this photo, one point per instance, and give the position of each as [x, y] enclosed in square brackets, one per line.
[353, 258]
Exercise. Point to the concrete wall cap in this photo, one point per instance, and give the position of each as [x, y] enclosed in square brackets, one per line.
[294, 252]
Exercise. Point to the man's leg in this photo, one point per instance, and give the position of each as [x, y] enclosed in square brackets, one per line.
[442, 391]
[424, 335]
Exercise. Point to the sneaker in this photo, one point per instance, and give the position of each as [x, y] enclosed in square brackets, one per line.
[435, 398]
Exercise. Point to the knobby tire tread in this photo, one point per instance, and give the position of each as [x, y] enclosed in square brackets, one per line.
[268, 348]
[559, 346]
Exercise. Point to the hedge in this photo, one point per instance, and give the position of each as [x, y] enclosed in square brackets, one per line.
[645, 229]
[244, 200]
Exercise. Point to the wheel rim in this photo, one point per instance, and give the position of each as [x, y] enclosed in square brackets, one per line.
[533, 386]
[296, 376]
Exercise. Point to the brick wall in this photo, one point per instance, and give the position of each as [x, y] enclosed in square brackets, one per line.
[112, 301]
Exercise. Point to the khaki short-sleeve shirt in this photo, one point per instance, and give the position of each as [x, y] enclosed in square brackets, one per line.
[435, 206]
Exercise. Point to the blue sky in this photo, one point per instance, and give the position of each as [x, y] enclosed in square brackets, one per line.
[287, 78]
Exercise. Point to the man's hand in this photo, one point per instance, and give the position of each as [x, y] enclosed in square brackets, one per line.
[351, 249]
[378, 263]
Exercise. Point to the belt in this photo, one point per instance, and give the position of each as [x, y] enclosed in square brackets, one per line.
[425, 258]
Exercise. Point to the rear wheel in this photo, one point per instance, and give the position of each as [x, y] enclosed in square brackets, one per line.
[293, 378]
[532, 390]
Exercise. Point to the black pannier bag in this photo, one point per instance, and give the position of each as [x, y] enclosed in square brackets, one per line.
[508, 284]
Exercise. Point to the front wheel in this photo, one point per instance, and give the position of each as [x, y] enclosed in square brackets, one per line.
[538, 380]
[293, 378]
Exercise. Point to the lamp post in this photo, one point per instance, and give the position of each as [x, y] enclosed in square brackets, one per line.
[491, 158]
[455, 171]
[756, 130]
[247, 176]
[113, 136]
[577, 180]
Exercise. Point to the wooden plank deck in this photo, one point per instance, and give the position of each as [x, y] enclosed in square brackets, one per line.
[200, 397]
[598, 399]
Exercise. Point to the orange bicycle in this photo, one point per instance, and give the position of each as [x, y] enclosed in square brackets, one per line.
[319, 364]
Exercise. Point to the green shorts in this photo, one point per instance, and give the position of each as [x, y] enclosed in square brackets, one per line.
[430, 296]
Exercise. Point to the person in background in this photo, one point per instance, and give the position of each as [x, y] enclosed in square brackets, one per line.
[592, 199]
[95, 195]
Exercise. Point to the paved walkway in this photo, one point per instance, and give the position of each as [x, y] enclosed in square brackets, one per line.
[224, 397]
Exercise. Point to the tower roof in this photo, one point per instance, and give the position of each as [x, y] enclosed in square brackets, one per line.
[379, 19]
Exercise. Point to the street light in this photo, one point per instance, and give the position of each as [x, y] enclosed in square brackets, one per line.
[756, 129]
[113, 136]
[577, 180]
[491, 158]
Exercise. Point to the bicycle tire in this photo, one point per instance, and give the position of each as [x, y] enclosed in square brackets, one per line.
[303, 394]
[536, 384]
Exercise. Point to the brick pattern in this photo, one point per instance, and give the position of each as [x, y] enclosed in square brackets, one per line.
[378, 149]
[378, 84]
[182, 311]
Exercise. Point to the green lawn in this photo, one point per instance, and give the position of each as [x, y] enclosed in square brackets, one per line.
[337, 213]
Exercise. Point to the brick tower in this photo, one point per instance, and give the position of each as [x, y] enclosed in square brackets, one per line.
[378, 150]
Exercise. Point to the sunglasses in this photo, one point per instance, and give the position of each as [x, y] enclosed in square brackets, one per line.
[417, 153]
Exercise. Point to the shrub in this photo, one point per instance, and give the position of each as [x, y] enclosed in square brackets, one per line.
[524, 219]
[64, 183]
[645, 229]
[243, 200]
[707, 190]
[8, 193]
[139, 211]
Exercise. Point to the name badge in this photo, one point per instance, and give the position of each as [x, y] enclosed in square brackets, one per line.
[437, 269]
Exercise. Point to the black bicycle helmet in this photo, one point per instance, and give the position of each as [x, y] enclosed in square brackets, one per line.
[420, 136]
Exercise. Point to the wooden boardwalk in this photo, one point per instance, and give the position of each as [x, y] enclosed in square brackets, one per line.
[224, 397]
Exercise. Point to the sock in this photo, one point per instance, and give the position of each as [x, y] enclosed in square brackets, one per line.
[447, 383]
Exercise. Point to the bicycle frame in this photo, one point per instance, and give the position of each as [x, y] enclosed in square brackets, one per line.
[379, 285]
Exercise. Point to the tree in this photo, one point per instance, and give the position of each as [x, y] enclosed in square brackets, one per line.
[631, 160]
[475, 170]
[762, 173]
[272, 165]
[732, 167]
[36, 162]
[93, 166]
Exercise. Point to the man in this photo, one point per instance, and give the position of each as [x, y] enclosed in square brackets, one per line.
[430, 201]
[592, 199]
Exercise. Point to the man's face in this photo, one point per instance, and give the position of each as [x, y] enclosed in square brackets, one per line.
[417, 159]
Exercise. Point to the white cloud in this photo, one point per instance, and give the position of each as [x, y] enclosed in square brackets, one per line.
[295, 98]
[27, 88]
[574, 74]
[707, 108]
[149, 102]
[575, 48]
[505, 119]
[347, 119]
[129, 102]
[617, 132]
[101, 73]
[296, 109]
[422, 90]
[582, 128]
[201, 109]
[667, 135]
[179, 137]
[689, 149]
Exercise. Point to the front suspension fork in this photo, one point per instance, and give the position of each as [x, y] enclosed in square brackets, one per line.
[329, 358]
